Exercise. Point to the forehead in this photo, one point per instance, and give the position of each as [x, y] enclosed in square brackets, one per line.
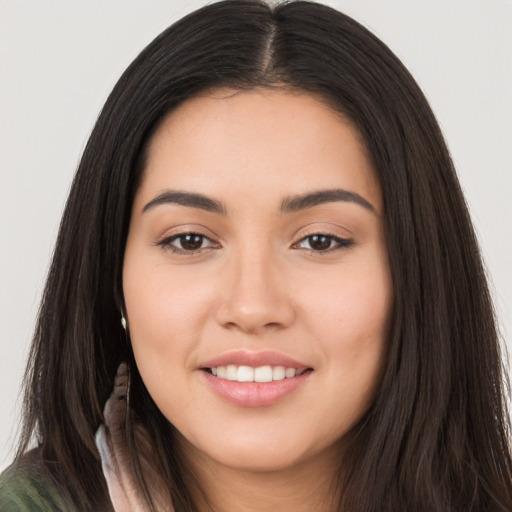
[274, 140]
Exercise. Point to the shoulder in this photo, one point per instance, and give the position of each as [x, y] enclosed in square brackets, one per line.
[24, 487]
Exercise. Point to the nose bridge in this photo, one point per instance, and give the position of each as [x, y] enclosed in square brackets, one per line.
[255, 297]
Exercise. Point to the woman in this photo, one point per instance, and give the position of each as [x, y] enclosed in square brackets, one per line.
[267, 242]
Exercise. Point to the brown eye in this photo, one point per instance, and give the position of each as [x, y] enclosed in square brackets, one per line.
[187, 243]
[320, 242]
[323, 243]
[190, 242]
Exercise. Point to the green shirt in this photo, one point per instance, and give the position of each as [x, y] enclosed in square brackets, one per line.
[23, 489]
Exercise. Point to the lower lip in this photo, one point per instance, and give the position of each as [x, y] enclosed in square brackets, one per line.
[254, 394]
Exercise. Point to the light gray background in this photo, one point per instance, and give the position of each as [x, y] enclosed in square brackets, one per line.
[60, 59]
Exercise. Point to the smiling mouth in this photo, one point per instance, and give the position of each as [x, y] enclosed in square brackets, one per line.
[260, 374]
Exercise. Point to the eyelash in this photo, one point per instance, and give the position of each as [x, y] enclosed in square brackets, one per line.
[340, 243]
[166, 243]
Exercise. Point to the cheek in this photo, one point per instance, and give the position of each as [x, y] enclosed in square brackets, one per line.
[350, 316]
[353, 305]
[161, 303]
[158, 313]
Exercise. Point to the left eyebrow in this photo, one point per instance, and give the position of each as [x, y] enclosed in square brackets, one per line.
[189, 199]
[296, 203]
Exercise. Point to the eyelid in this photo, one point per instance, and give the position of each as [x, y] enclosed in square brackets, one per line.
[185, 229]
[324, 227]
[164, 241]
[342, 241]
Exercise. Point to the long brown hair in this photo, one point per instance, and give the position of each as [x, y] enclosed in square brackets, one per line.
[437, 435]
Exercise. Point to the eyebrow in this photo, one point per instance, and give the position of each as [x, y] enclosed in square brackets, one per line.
[289, 205]
[190, 199]
[294, 204]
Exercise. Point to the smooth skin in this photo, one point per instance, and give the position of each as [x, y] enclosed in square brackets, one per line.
[311, 282]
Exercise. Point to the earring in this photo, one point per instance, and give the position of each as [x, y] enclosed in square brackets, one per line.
[123, 322]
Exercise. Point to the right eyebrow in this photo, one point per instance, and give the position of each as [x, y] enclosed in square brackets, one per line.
[301, 202]
[190, 199]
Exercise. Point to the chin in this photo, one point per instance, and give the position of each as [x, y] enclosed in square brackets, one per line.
[261, 453]
[257, 460]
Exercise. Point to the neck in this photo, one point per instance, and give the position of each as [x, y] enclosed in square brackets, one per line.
[303, 487]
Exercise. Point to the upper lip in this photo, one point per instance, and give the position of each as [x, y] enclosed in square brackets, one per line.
[254, 359]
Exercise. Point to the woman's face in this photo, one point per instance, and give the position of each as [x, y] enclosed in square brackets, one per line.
[256, 252]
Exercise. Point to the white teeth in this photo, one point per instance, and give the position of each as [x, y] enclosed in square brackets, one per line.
[231, 372]
[248, 374]
[289, 372]
[263, 374]
[245, 374]
[278, 373]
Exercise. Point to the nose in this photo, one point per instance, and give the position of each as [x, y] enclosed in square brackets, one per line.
[255, 296]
